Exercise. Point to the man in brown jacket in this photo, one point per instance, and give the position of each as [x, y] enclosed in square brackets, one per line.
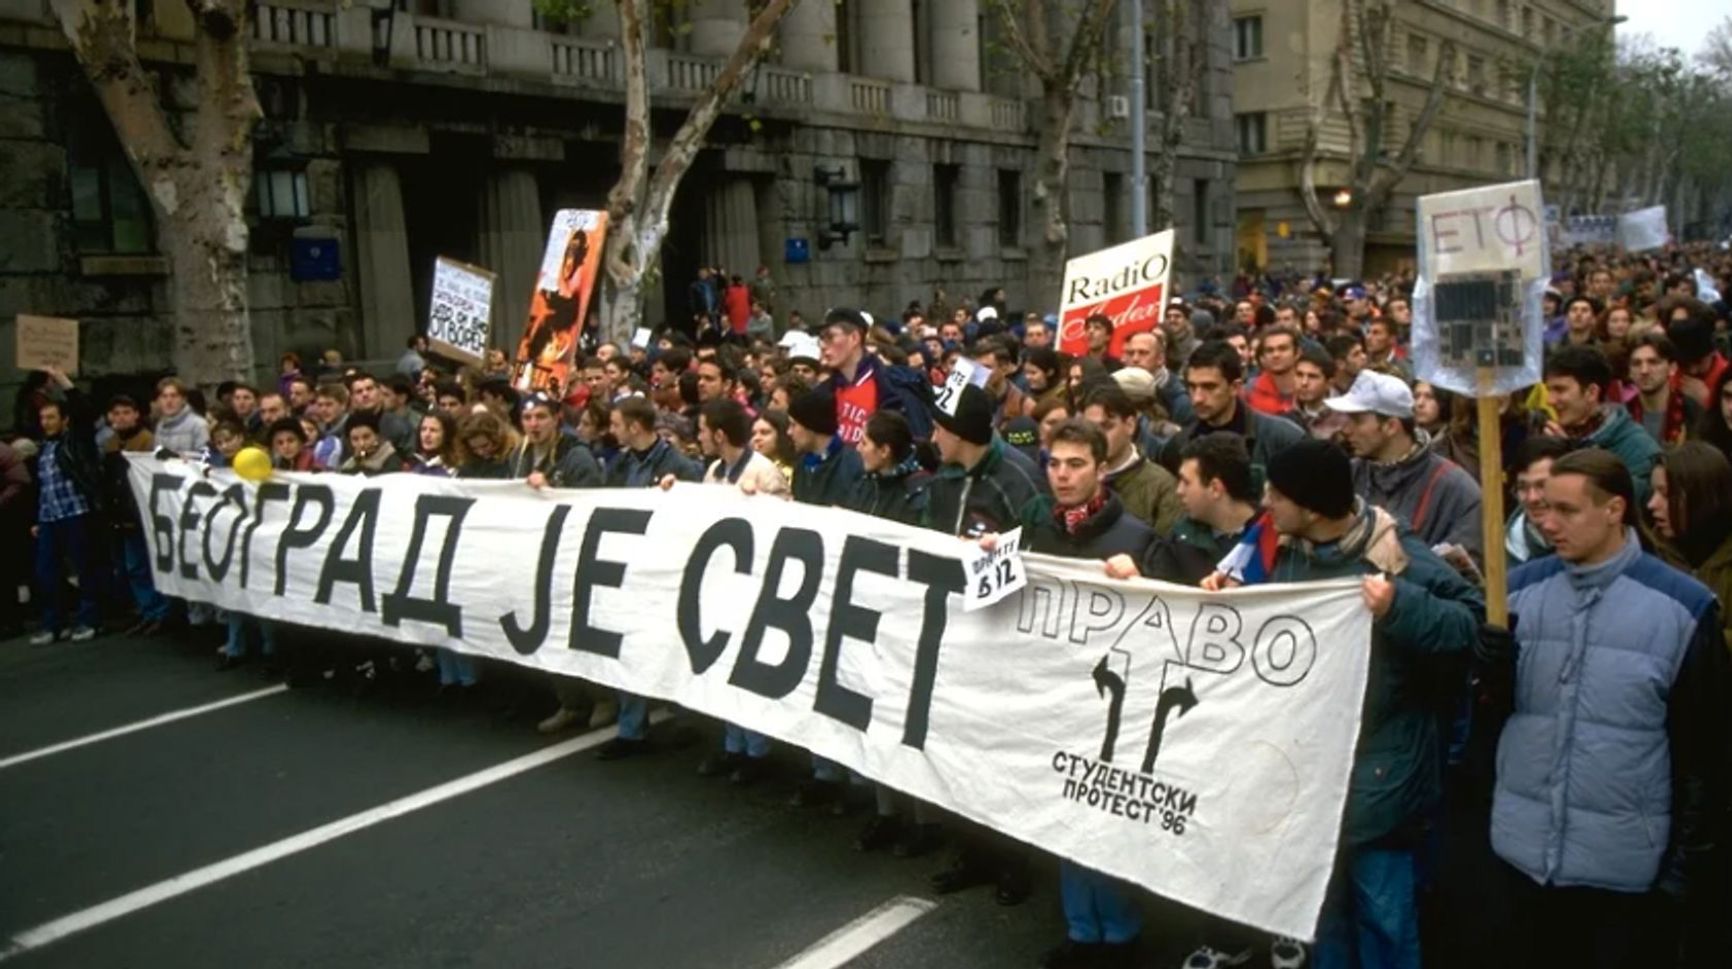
[128, 552]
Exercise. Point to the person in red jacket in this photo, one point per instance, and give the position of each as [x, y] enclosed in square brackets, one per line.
[737, 307]
[1272, 392]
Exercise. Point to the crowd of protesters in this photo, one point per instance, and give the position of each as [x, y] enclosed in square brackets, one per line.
[1270, 432]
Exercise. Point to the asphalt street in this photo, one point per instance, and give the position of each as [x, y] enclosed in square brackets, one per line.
[224, 822]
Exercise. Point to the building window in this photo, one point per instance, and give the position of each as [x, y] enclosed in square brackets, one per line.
[1504, 156]
[946, 182]
[1528, 23]
[1113, 204]
[1476, 78]
[1247, 38]
[1009, 208]
[1200, 211]
[1503, 14]
[1253, 131]
[281, 193]
[875, 200]
[110, 213]
[1416, 52]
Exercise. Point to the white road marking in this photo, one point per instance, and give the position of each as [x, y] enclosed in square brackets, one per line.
[863, 933]
[162, 891]
[122, 731]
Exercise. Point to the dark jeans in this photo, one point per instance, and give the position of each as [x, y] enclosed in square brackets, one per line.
[59, 542]
[1584, 928]
[132, 562]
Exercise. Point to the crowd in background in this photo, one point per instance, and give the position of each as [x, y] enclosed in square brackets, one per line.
[1268, 430]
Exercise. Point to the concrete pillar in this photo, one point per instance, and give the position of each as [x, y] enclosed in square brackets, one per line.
[717, 26]
[731, 226]
[388, 313]
[956, 45]
[808, 35]
[512, 234]
[500, 13]
[886, 39]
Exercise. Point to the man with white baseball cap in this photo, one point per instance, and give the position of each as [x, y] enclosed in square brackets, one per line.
[1395, 468]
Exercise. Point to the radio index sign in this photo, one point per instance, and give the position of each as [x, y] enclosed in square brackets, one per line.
[1127, 283]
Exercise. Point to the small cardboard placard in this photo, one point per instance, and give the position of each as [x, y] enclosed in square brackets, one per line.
[462, 311]
[47, 342]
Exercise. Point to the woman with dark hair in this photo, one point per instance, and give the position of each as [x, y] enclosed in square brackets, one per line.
[770, 438]
[1042, 368]
[435, 446]
[1716, 427]
[1431, 408]
[1692, 511]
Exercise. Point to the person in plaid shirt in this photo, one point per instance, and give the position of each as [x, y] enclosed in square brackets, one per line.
[68, 475]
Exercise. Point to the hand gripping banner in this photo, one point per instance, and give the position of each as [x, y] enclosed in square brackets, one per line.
[1196, 744]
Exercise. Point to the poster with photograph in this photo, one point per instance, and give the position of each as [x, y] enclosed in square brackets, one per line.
[570, 268]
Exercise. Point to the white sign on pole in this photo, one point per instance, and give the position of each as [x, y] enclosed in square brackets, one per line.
[1484, 259]
[1127, 284]
[462, 311]
[1199, 744]
[1643, 229]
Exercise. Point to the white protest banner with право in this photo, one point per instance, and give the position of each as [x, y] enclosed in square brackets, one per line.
[1197, 744]
[1127, 283]
[458, 321]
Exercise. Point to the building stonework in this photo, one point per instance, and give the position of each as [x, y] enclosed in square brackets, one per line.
[478, 120]
[1281, 62]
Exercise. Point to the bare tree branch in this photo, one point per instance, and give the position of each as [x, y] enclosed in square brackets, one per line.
[1035, 60]
[622, 262]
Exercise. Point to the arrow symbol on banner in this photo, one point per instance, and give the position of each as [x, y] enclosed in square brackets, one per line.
[1106, 680]
[1180, 698]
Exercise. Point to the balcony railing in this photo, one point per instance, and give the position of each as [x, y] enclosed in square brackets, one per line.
[692, 75]
[783, 86]
[584, 60]
[1008, 115]
[943, 106]
[446, 45]
[869, 96]
[283, 23]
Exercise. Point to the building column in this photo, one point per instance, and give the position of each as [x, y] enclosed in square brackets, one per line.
[717, 26]
[388, 313]
[500, 13]
[808, 38]
[887, 39]
[956, 45]
[512, 234]
[731, 226]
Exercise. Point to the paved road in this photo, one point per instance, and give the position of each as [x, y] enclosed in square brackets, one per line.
[573, 863]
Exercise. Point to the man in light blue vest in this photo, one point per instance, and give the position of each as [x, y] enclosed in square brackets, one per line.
[1611, 784]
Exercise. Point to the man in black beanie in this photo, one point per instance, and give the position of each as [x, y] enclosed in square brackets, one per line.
[1424, 615]
[984, 483]
[829, 468]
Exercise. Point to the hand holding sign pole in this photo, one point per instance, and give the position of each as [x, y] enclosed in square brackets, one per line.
[1477, 327]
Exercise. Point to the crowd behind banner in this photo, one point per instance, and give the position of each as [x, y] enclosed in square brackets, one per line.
[1553, 794]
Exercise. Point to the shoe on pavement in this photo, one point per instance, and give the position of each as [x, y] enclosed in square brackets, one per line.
[561, 719]
[718, 765]
[603, 713]
[1071, 954]
[1208, 957]
[1286, 952]
[136, 628]
[1012, 888]
[815, 793]
[749, 771]
[879, 833]
[619, 748]
[918, 840]
[44, 637]
[960, 876]
[82, 634]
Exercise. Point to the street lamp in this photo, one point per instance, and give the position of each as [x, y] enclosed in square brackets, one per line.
[384, 19]
[1533, 125]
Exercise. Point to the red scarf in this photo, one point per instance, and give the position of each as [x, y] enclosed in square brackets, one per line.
[1672, 428]
[1070, 518]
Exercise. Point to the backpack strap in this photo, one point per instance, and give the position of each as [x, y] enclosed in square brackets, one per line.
[1425, 495]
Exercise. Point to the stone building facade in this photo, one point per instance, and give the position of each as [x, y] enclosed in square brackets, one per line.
[457, 127]
[1281, 53]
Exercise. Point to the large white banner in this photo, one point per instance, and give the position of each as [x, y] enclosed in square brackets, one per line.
[1196, 744]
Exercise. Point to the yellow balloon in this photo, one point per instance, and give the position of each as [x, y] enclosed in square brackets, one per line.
[253, 464]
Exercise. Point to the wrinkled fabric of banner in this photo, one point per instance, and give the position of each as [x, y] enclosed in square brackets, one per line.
[1196, 744]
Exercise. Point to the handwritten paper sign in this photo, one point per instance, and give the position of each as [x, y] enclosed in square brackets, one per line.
[995, 574]
[1484, 229]
[47, 342]
[962, 373]
[462, 308]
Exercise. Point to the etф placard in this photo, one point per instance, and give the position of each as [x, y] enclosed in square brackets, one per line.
[1491, 229]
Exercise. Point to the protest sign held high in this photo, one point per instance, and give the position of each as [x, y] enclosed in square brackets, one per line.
[457, 322]
[1127, 283]
[570, 268]
[1197, 744]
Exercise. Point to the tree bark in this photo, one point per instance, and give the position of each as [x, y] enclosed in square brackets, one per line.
[197, 188]
[1347, 244]
[636, 233]
[1050, 196]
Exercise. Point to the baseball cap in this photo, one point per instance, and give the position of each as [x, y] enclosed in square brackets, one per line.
[986, 313]
[848, 317]
[1374, 393]
[1137, 383]
[1353, 291]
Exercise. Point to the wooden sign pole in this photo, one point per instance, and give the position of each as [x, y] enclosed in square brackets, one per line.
[1491, 499]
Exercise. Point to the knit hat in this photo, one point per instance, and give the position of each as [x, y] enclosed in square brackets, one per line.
[1315, 475]
[973, 418]
[814, 410]
[1023, 434]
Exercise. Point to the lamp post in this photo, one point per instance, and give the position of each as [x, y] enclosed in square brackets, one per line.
[1139, 126]
[384, 20]
[1533, 124]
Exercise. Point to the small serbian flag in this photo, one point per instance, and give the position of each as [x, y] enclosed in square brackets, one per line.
[1253, 560]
